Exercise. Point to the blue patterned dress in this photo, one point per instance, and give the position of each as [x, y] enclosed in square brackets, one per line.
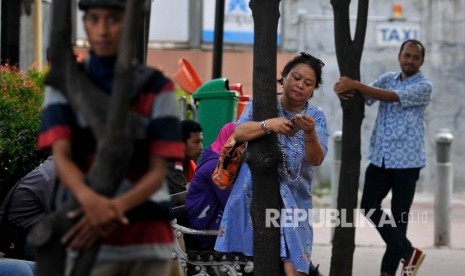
[295, 178]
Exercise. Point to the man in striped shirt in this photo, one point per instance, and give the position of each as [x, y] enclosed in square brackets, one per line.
[134, 225]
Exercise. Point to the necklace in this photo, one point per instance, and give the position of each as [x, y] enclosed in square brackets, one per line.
[291, 166]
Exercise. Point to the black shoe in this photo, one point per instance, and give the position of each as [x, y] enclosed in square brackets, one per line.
[315, 272]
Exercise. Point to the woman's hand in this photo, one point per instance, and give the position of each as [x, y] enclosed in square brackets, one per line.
[281, 126]
[304, 122]
[314, 153]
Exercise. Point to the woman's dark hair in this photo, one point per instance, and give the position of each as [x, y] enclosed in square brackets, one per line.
[315, 63]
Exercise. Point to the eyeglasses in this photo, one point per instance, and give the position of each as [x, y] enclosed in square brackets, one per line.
[315, 59]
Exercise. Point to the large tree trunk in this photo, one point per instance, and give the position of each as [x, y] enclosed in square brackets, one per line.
[348, 54]
[263, 153]
[110, 121]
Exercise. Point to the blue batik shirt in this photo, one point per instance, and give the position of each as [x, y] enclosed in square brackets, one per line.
[399, 134]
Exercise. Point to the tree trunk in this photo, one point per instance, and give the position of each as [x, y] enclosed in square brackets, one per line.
[263, 153]
[110, 121]
[348, 54]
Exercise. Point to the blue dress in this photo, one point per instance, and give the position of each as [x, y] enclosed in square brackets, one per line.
[295, 179]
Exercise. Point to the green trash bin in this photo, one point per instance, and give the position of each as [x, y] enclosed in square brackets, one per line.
[216, 106]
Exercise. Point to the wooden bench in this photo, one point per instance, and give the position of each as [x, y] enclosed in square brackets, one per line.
[204, 262]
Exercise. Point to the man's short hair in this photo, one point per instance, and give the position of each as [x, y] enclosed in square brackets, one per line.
[416, 42]
[188, 127]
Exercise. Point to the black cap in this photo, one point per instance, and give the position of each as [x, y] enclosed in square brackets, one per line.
[85, 4]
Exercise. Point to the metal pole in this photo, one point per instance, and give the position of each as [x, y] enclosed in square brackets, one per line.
[337, 138]
[143, 34]
[443, 195]
[301, 14]
[192, 107]
[218, 39]
[38, 51]
[195, 24]
[182, 108]
[1, 4]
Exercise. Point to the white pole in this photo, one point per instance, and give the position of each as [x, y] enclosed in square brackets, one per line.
[300, 22]
[443, 195]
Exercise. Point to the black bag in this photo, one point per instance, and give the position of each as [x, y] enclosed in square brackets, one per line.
[12, 240]
[12, 237]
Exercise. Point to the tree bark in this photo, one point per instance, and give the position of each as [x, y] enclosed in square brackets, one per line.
[263, 152]
[109, 120]
[348, 53]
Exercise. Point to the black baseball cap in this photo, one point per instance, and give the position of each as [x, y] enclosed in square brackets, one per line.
[85, 4]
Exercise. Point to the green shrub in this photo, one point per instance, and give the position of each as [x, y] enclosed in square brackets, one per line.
[21, 95]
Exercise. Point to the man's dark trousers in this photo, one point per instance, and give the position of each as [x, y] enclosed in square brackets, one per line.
[378, 182]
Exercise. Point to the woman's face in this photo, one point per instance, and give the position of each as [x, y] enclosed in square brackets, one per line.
[299, 83]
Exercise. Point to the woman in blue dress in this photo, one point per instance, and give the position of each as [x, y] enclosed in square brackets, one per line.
[302, 139]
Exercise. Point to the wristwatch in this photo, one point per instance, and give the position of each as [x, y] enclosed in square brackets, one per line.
[263, 126]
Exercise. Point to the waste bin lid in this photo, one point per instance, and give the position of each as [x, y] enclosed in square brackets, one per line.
[236, 87]
[215, 88]
[244, 98]
[186, 77]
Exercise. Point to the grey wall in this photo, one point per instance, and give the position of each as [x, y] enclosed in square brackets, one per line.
[442, 30]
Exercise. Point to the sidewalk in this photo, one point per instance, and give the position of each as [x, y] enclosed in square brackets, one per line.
[370, 247]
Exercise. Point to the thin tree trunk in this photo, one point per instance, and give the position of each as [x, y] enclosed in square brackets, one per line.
[110, 123]
[264, 154]
[348, 54]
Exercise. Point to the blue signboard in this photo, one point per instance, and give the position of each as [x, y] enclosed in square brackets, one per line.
[238, 22]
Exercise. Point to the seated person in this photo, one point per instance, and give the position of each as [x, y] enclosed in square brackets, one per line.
[181, 172]
[205, 202]
[16, 267]
[29, 200]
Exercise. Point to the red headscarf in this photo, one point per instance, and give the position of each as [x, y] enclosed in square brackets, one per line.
[223, 136]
